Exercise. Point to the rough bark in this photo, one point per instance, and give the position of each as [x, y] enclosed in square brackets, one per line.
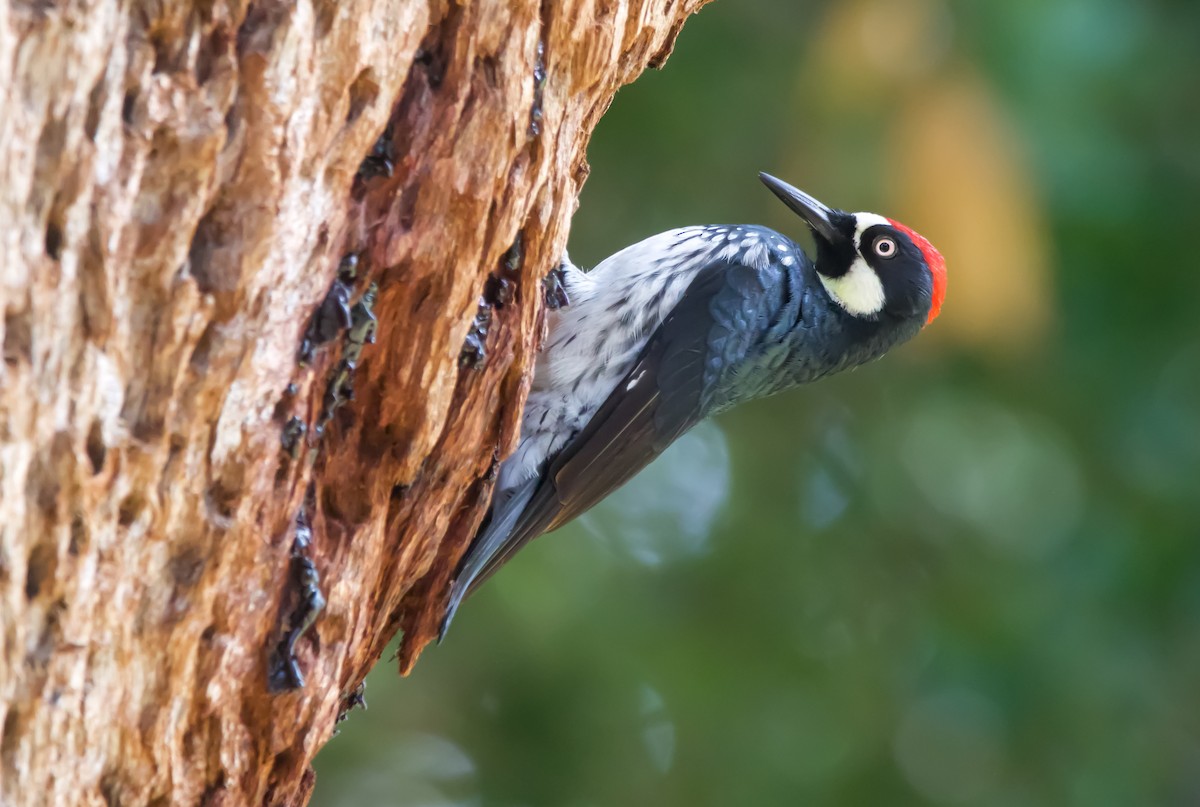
[182, 187]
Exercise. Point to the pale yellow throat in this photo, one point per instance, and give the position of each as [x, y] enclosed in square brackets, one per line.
[859, 291]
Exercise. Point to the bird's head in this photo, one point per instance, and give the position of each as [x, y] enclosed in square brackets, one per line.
[869, 265]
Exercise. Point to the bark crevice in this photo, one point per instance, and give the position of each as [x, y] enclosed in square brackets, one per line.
[183, 480]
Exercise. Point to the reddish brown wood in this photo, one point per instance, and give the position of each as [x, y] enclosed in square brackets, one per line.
[180, 182]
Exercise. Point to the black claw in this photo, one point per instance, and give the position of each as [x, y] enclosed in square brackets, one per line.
[554, 289]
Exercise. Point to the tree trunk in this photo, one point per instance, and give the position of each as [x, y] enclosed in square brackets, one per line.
[205, 433]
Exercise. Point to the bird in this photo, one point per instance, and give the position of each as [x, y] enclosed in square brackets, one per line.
[685, 325]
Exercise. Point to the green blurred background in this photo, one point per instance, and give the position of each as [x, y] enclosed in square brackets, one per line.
[968, 574]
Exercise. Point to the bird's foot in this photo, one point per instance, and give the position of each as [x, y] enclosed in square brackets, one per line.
[554, 287]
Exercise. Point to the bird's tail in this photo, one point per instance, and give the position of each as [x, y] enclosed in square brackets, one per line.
[506, 510]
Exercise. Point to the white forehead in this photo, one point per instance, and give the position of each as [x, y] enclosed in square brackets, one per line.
[866, 221]
[859, 290]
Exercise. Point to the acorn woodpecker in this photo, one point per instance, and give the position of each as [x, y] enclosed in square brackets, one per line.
[686, 324]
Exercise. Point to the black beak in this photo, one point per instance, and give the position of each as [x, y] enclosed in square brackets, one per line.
[818, 216]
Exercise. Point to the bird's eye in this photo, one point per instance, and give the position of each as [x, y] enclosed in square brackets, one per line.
[884, 246]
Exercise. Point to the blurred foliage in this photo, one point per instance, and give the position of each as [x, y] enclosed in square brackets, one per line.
[968, 574]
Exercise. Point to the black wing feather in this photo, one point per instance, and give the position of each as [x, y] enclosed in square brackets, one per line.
[661, 397]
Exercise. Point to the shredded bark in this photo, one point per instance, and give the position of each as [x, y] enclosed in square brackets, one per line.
[271, 283]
